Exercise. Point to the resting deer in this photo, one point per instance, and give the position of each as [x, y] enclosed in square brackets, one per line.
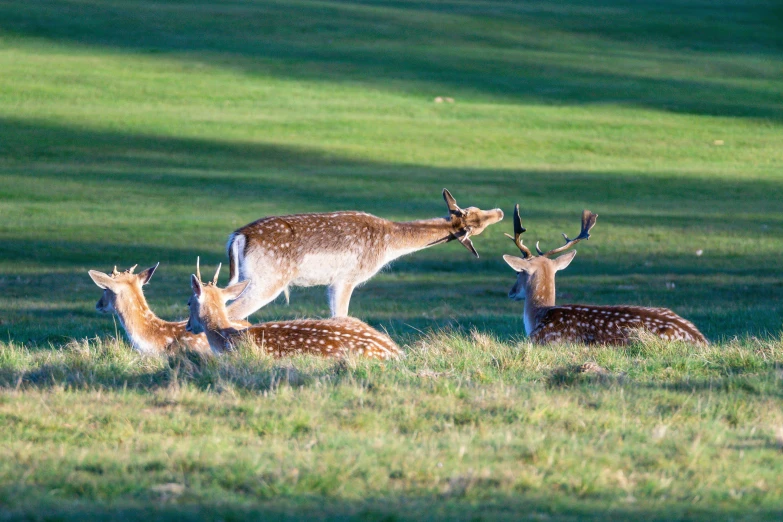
[334, 337]
[338, 249]
[547, 323]
[123, 295]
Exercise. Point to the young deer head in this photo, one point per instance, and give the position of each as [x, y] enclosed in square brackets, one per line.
[208, 303]
[545, 322]
[121, 285]
[469, 221]
[123, 295]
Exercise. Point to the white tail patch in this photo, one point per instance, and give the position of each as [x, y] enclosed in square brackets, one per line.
[235, 248]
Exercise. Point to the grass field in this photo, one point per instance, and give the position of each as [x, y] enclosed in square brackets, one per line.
[137, 132]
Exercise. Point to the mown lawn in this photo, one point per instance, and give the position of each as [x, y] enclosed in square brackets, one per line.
[138, 131]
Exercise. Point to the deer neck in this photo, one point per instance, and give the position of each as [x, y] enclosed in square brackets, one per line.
[218, 327]
[410, 236]
[139, 322]
[539, 296]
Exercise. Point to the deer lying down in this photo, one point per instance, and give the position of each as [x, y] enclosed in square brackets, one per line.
[547, 323]
[123, 295]
[334, 337]
[338, 249]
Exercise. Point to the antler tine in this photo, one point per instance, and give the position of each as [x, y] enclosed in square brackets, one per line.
[198, 268]
[588, 222]
[217, 273]
[131, 269]
[114, 272]
[518, 231]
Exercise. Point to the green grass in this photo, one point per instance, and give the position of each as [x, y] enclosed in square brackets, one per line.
[137, 132]
[484, 428]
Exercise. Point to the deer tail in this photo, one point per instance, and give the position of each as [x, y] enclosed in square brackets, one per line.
[236, 253]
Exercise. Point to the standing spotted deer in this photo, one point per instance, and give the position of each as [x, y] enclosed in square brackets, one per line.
[123, 295]
[334, 337]
[338, 249]
[546, 323]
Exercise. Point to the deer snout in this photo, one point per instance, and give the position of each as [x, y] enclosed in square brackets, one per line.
[188, 328]
[516, 295]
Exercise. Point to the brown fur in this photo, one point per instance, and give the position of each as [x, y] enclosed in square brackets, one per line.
[278, 252]
[610, 324]
[547, 323]
[334, 337]
[123, 295]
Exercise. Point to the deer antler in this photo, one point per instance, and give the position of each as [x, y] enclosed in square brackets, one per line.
[131, 269]
[198, 268]
[217, 273]
[115, 272]
[518, 231]
[588, 222]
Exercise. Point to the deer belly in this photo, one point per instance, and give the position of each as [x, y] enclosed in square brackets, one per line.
[325, 269]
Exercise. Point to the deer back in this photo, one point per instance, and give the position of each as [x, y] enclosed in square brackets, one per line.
[329, 337]
[610, 324]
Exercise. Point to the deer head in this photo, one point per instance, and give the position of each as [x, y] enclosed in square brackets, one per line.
[120, 285]
[469, 221]
[537, 273]
[208, 303]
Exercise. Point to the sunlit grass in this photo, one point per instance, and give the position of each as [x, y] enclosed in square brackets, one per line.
[668, 429]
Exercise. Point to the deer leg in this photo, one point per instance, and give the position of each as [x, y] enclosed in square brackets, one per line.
[255, 297]
[340, 297]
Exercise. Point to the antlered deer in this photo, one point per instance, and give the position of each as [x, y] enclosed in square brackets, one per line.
[123, 295]
[545, 322]
[334, 337]
[338, 249]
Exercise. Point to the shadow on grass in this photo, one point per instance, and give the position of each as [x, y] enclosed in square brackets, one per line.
[520, 506]
[165, 198]
[254, 375]
[718, 58]
[104, 167]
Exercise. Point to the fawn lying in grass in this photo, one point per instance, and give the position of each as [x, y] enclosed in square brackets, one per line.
[546, 323]
[334, 337]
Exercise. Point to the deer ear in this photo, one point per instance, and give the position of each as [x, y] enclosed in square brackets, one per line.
[517, 263]
[563, 261]
[102, 280]
[145, 275]
[195, 283]
[234, 291]
[467, 243]
[451, 202]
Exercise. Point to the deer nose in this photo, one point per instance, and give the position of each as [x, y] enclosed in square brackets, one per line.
[515, 296]
[188, 327]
